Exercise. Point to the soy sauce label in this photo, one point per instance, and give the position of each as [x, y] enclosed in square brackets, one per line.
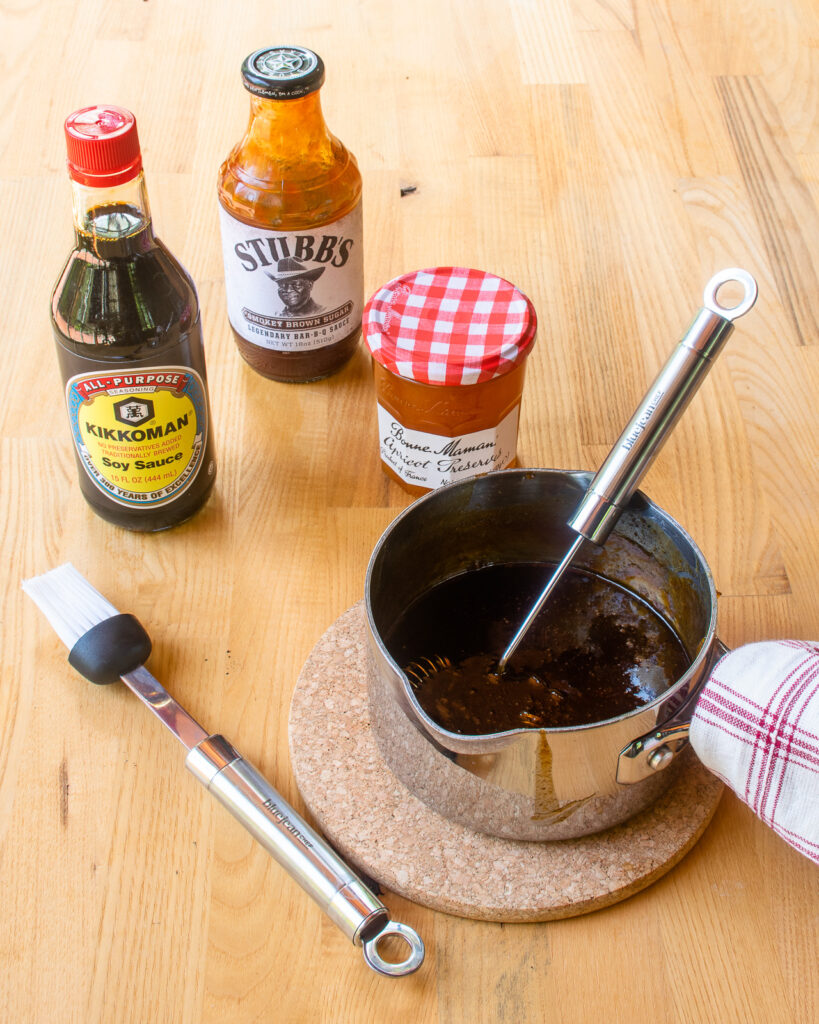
[140, 436]
[294, 291]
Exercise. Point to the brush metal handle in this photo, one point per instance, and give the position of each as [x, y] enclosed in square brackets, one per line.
[661, 407]
[302, 852]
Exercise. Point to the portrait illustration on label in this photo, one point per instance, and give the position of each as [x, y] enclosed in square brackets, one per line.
[295, 287]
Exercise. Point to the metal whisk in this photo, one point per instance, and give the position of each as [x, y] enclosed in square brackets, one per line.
[418, 671]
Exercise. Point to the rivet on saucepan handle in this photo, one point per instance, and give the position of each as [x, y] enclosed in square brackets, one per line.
[661, 757]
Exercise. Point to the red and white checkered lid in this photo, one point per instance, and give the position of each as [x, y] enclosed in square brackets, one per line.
[449, 325]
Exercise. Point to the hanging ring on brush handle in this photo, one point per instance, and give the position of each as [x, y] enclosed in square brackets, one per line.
[395, 970]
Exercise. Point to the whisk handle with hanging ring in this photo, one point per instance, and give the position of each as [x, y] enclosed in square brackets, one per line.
[661, 407]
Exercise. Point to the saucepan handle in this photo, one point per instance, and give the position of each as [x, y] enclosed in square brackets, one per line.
[654, 751]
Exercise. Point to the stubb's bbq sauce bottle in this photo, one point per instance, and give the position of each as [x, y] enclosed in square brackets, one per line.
[290, 209]
[126, 322]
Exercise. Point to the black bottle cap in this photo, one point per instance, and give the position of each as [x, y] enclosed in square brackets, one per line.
[283, 72]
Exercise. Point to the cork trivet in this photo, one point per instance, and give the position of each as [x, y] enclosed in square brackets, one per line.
[382, 829]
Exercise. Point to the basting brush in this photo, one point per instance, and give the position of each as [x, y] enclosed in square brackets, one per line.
[106, 646]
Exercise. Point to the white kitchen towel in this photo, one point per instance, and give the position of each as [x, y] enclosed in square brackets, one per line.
[756, 726]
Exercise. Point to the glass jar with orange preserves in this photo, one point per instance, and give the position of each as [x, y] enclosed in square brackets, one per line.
[449, 348]
[290, 213]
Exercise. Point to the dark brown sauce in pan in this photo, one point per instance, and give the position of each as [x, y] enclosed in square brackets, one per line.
[596, 651]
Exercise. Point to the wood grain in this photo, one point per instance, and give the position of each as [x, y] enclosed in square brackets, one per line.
[607, 156]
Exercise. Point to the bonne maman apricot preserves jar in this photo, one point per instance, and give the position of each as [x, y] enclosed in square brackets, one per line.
[449, 348]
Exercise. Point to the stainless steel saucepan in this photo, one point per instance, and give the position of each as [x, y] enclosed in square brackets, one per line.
[536, 784]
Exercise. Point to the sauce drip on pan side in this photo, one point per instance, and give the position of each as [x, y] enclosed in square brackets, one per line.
[597, 651]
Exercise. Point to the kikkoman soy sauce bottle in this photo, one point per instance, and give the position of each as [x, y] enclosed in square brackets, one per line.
[129, 340]
[290, 210]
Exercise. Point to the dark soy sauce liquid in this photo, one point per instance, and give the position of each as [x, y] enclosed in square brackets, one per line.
[596, 650]
[124, 303]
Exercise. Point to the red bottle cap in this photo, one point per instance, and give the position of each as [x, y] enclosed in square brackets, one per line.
[103, 146]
